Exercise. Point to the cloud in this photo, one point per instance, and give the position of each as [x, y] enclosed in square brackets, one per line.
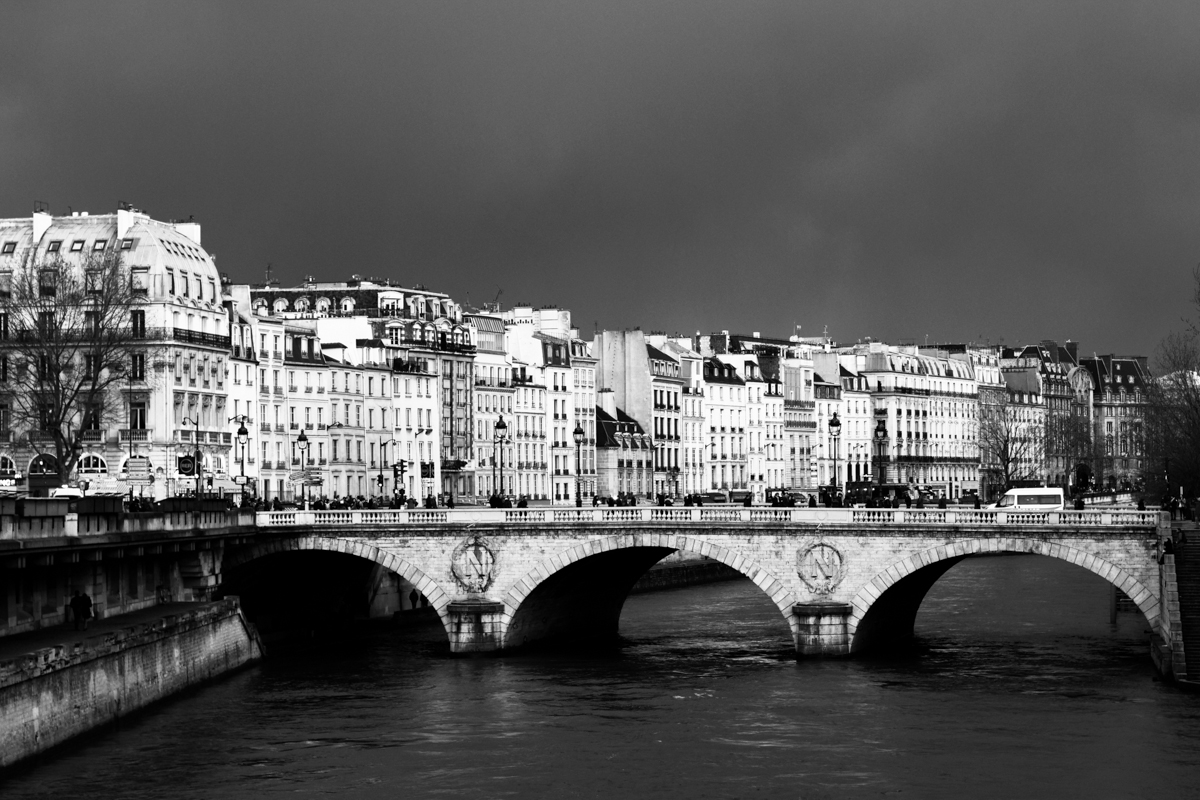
[965, 171]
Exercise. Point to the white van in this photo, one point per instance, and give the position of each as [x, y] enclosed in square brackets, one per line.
[1033, 499]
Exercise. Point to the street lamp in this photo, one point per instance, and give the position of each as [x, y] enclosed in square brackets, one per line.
[302, 446]
[577, 434]
[382, 464]
[199, 467]
[501, 431]
[243, 438]
[880, 442]
[835, 431]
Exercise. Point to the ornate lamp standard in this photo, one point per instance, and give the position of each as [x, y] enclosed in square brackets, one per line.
[577, 435]
[302, 446]
[499, 438]
[835, 432]
[881, 445]
[199, 468]
[243, 438]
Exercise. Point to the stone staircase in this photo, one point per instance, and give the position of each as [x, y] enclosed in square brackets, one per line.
[1187, 576]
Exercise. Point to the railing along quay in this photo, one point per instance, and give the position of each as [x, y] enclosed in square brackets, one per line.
[842, 516]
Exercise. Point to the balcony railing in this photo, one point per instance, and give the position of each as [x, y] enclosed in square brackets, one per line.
[196, 337]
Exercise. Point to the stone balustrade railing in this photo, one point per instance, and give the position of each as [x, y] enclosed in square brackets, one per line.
[641, 514]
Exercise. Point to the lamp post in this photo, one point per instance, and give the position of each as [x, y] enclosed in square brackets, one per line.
[881, 446]
[199, 467]
[835, 432]
[577, 435]
[243, 438]
[675, 480]
[500, 437]
[382, 461]
[379, 480]
[302, 446]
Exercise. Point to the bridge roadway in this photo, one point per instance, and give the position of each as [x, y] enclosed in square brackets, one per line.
[844, 580]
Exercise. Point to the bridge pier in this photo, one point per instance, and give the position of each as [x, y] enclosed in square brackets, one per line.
[475, 625]
[823, 628]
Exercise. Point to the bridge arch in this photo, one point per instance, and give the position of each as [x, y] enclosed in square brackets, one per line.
[651, 547]
[886, 606]
[437, 597]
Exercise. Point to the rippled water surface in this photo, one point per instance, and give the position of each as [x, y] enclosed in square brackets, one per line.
[1018, 686]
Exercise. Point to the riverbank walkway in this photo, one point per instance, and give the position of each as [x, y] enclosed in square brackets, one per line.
[24, 644]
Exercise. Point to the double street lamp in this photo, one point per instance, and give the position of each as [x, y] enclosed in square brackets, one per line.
[577, 434]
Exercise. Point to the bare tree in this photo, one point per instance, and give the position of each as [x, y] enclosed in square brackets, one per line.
[70, 336]
[1069, 437]
[1172, 426]
[1013, 440]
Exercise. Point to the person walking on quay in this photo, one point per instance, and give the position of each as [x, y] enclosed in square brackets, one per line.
[81, 610]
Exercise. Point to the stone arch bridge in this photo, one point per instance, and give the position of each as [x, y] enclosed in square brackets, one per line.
[844, 580]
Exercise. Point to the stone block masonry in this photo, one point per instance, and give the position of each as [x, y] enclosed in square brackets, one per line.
[52, 695]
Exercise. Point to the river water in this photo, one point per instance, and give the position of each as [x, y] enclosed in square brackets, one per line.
[1017, 686]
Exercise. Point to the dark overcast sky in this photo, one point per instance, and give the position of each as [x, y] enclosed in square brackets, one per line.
[965, 171]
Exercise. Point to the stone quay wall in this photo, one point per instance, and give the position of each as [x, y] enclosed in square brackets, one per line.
[52, 695]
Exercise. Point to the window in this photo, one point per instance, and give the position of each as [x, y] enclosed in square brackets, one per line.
[127, 244]
[137, 367]
[48, 283]
[77, 246]
[45, 322]
[98, 245]
[92, 464]
[137, 416]
[137, 318]
[54, 247]
[184, 278]
[9, 247]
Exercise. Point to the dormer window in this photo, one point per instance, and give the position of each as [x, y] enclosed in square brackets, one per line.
[8, 248]
[77, 246]
[99, 245]
[127, 244]
[54, 246]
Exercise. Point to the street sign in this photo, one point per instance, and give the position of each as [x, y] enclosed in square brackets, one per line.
[240, 480]
[187, 465]
[139, 467]
[298, 476]
[146, 481]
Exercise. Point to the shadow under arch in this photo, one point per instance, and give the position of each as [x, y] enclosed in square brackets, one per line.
[578, 594]
[437, 597]
[885, 609]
